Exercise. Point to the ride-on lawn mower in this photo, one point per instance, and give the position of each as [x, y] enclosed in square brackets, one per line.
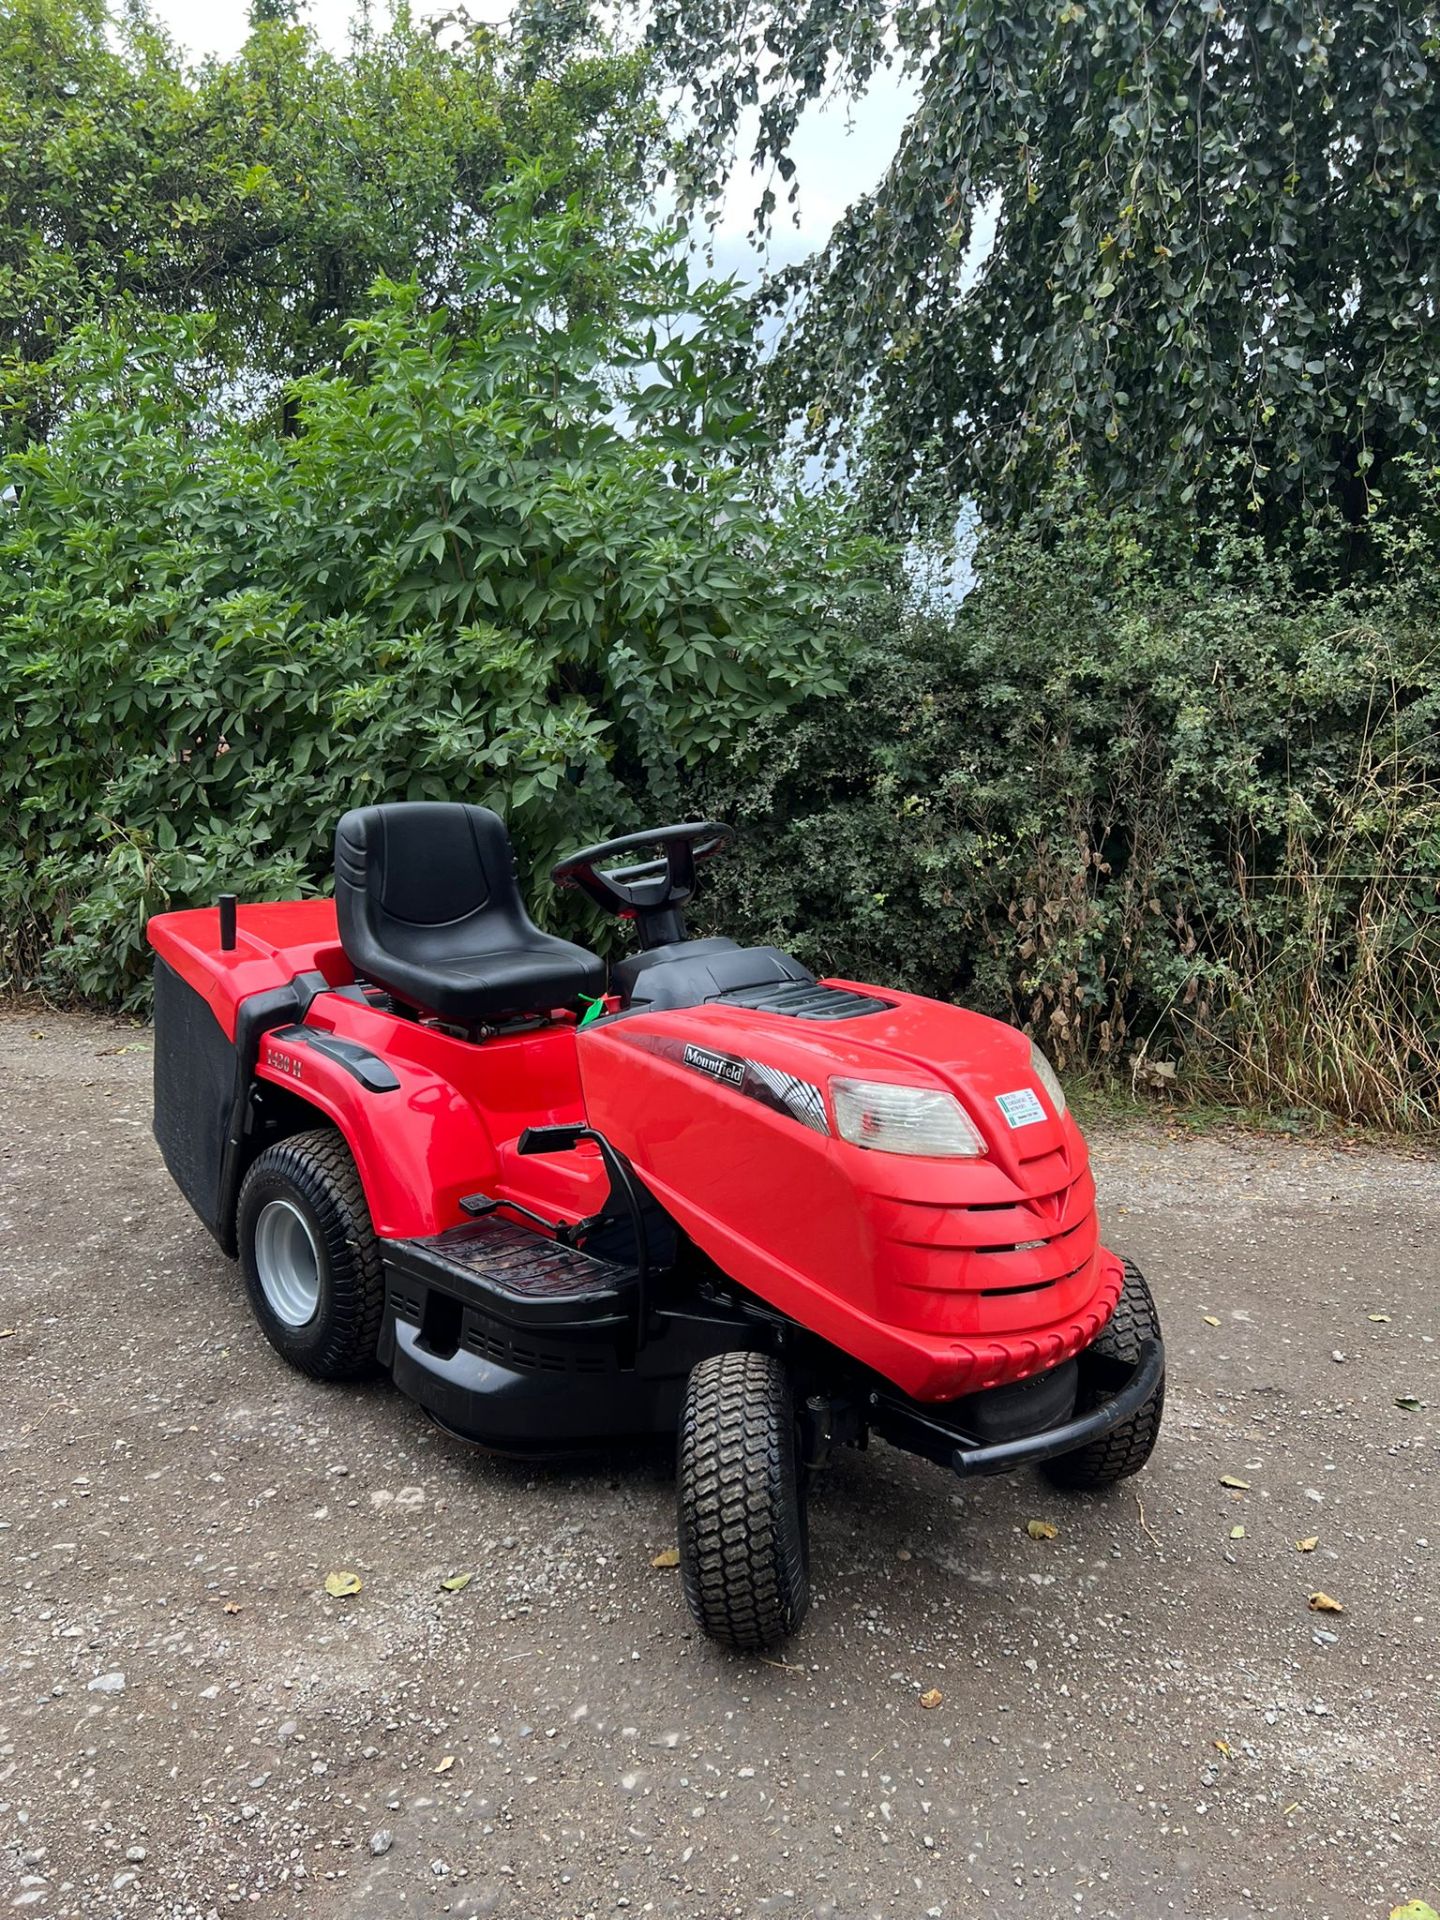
[773, 1213]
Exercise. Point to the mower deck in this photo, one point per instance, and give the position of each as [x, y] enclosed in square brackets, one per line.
[524, 1346]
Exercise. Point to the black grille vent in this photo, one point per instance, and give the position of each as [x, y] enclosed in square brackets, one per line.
[803, 1000]
[527, 1357]
[1034, 1286]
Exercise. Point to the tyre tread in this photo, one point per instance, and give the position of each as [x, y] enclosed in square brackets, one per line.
[1126, 1448]
[319, 1166]
[742, 1525]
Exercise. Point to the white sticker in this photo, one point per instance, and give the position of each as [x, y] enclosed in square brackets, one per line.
[1021, 1108]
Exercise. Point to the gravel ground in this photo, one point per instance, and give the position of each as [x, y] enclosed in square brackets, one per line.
[1141, 1716]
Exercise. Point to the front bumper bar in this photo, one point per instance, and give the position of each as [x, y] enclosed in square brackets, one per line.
[905, 1425]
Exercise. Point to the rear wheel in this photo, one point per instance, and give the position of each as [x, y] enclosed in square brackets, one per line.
[743, 1550]
[310, 1258]
[1126, 1448]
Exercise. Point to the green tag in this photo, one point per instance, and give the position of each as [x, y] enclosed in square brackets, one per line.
[593, 1010]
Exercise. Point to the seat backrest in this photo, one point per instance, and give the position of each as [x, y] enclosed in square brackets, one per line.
[421, 879]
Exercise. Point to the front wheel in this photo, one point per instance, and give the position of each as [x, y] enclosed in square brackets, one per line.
[310, 1257]
[1126, 1448]
[744, 1555]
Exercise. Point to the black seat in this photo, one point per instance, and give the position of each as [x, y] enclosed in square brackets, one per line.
[430, 909]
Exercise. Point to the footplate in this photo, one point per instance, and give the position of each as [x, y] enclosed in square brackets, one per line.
[509, 1274]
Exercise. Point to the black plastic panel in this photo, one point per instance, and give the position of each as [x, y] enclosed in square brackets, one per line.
[545, 1390]
[689, 972]
[693, 973]
[202, 1092]
[368, 1068]
[1023, 1406]
[194, 1092]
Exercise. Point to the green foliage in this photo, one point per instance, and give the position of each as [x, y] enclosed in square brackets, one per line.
[1211, 282]
[460, 577]
[269, 190]
[1164, 813]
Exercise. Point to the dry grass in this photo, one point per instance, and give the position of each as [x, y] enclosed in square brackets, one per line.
[1341, 1009]
[1318, 989]
[1327, 993]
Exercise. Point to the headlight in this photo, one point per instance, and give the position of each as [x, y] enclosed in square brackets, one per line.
[891, 1119]
[1048, 1078]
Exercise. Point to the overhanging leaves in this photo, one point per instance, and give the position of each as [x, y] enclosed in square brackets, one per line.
[1212, 280]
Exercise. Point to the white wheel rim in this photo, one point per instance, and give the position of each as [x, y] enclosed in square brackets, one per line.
[287, 1263]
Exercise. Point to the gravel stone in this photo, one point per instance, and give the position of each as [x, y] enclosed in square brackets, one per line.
[162, 1462]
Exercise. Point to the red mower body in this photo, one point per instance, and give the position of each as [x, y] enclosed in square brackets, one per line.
[944, 1276]
[700, 1196]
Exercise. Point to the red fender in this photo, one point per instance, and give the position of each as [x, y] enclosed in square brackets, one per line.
[419, 1147]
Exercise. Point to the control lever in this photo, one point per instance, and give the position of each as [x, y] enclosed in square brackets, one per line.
[622, 1181]
[478, 1205]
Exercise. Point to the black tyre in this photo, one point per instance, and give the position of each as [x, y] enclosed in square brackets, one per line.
[309, 1256]
[743, 1551]
[1126, 1448]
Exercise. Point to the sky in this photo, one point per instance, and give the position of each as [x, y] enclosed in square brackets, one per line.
[841, 149]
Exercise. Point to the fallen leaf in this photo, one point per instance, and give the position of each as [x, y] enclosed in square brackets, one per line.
[1223, 1746]
[456, 1582]
[1211, 1320]
[1380, 1319]
[1414, 1910]
[1041, 1529]
[1308, 1545]
[444, 1766]
[340, 1585]
[1229, 1480]
[1237, 1533]
[1410, 1404]
[1322, 1603]
[932, 1698]
[233, 1606]
[667, 1557]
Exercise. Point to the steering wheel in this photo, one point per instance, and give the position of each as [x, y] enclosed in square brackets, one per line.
[650, 886]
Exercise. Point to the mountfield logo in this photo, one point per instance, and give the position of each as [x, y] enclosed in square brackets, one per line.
[718, 1065]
